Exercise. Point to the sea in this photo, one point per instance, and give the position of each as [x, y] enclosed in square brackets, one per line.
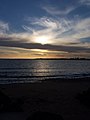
[31, 71]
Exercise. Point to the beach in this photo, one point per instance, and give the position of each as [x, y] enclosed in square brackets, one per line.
[54, 96]
[44, 59]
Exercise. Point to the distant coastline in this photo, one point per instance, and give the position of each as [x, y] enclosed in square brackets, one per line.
[45, 59]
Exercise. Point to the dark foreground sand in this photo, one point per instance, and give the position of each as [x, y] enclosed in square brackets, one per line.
[54, 96]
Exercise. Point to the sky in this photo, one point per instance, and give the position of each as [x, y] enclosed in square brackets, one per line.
[44, 28]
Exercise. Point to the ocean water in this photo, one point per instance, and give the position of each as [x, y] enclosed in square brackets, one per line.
[24, 71]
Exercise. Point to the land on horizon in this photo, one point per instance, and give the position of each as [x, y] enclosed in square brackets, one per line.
[45, 59]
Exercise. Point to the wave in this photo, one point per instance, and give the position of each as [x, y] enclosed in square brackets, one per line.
[7, 79]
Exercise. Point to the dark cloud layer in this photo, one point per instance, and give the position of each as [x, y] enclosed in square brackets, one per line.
[19, 44]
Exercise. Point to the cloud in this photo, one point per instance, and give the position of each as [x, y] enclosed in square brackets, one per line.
[4, 27]
[60, 30]
[66, 48]
[56, 11]
[83, 24]
[85, 2]
[82, 28]
[70, 36]
[49, 27]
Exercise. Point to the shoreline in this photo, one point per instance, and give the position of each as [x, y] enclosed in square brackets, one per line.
[83, 79]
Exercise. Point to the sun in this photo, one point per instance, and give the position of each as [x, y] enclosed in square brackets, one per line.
[42, 40]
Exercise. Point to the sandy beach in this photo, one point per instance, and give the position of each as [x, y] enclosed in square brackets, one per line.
[52, 96]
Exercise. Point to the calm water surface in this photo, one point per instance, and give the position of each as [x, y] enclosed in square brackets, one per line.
[20, 71]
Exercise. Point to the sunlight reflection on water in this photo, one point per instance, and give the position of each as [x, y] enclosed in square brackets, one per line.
[34, 70]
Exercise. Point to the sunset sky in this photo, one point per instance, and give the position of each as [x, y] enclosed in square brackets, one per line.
[44, 28]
